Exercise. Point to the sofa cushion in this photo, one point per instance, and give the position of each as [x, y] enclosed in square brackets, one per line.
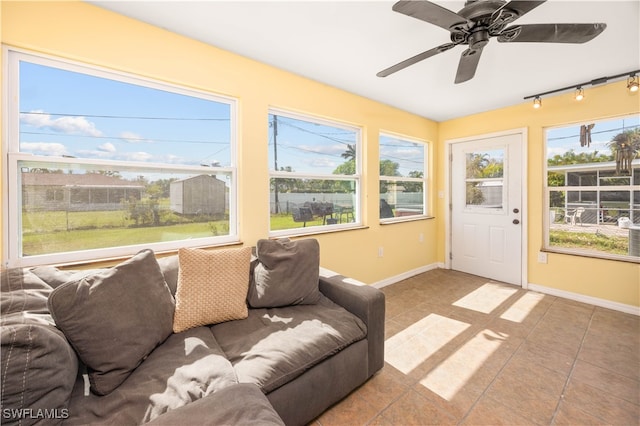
[185, 368]
[287, 273]
[115, 317]
[273, 346]
[240, 404]
[38, 365]
[212, 287]
[169, 266]
[56, 277]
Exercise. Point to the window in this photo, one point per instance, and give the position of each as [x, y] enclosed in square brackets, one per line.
[403, 179]
[103, 164]
[485, 180]
[314, 174]
[593, 189]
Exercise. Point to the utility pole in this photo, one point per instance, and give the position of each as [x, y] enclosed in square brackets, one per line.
[275, 160]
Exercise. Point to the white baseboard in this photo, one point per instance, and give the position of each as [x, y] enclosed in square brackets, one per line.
[603, 303]
[405, 275]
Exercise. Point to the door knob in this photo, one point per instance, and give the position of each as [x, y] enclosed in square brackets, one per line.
[516, 221]
[516, 211]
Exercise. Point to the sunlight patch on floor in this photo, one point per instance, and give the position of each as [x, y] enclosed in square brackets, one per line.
[522, 307]
[414, 345]
[454, 373]
[486, 298]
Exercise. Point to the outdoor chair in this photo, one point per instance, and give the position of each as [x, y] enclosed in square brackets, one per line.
[302, 214]
[573, 215]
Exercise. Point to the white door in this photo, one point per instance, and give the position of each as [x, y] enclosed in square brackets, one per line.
[486, 207]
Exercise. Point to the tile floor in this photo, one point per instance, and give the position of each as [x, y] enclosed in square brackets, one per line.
[461, 349]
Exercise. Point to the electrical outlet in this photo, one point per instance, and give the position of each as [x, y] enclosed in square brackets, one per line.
[542, 257]
[380, 251]
[421, 237]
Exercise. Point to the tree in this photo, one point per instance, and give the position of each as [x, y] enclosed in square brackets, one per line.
[350, 153]
[570, 157]
[414, 186]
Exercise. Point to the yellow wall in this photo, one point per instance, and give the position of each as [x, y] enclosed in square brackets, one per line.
[85, 33]
[610, 280]
[89, 34]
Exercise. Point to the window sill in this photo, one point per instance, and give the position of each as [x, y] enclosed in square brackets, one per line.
[112, 261]
[391, 221]
[592, 255]
[305, 232]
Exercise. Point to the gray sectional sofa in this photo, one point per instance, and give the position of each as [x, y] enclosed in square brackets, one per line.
[96, 347]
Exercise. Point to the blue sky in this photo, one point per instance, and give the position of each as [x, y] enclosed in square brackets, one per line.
[74, 114]
[409, 155]
[68, 113]
[561, 140]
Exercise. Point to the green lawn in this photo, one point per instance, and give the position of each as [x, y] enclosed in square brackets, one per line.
[581, 240]
[56, 232]
[285, 221]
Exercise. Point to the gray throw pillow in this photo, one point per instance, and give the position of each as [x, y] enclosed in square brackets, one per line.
[287, 273]
[115, 317]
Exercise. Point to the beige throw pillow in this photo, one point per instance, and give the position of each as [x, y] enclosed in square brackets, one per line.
[212, 287]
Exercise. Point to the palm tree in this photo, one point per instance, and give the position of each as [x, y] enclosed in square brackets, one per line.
[350, 153]
[625, 147]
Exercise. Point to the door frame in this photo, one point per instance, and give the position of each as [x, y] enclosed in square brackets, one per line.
[523, 133]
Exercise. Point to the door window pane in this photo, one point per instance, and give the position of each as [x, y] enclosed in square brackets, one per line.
[484, 182]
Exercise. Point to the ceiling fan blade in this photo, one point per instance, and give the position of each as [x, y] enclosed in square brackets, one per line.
[468, 65]
[520, 7]
[551, 33]
[415, 59]
[430, 12]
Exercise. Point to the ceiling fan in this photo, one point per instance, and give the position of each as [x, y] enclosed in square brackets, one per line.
[478, 21]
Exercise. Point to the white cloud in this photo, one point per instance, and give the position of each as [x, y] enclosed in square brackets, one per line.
[44, 148]
[133, 137]
[114, 155]
[138, 156]
[336, 150]
[67, 124]
[107, 147]
[321, 162]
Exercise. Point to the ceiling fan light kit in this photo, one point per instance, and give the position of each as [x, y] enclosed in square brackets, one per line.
[480, 20]
[632, 86]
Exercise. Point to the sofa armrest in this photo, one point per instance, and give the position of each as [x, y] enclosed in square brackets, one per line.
[366, 302]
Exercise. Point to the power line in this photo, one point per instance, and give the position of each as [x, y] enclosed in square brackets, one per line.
[341, 141]
[123, 116]
[129, 138]
[596, 133]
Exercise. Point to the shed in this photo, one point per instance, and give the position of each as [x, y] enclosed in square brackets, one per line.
[202, 194]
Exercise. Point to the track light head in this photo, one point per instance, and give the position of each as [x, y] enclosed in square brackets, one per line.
[632, 83]
[537, 102]
[579, 95]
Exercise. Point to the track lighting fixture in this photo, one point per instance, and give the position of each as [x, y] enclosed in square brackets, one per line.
[633, 85]
[537, 102]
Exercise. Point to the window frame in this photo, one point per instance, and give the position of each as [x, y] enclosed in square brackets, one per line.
[12, 194]
[598, 188]
[426, 210]
[356, 177]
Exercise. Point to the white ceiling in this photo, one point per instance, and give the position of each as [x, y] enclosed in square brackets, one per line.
[345, 43]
